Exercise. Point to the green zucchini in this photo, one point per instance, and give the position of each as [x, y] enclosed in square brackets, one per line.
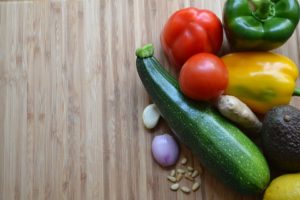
[221, 147]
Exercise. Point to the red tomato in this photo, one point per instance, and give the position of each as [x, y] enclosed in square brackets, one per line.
[203, 77]
[190, 31]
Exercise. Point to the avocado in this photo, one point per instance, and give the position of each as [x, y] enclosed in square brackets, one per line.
[281, 137]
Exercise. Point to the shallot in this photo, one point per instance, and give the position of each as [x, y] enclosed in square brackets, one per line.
[165, 150]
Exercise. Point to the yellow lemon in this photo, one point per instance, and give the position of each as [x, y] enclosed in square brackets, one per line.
[285, 187]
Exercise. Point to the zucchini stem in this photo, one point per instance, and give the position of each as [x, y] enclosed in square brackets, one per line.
[145, 51]
[296, 92]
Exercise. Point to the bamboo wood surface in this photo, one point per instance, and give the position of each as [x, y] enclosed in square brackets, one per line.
[71, 101]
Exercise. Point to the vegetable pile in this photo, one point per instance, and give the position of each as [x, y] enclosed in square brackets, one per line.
[220, 103]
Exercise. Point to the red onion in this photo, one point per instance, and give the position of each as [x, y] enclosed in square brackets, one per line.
[165, 150]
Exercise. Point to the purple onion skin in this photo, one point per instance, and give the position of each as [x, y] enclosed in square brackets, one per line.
[165, 150]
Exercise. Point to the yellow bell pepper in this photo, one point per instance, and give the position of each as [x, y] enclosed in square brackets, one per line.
[261, 80]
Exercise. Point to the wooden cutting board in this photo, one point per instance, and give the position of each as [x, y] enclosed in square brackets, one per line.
[71, 101]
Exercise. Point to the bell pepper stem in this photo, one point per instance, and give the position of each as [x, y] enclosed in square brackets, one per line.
[262, 8]
[296, 92]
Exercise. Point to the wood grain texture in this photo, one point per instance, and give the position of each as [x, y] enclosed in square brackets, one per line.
[71, 101]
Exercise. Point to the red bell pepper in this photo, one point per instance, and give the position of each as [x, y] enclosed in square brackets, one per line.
[190, 31]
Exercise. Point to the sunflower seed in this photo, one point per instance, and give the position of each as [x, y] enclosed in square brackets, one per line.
[179, 177]
[195, 186]
[174, 186]
[173, 173]
[195, 173]
[189, 168]
[172, 179]
[185, 189]
[188, 174]
[181, 171]
[184, 161]
[189, 177]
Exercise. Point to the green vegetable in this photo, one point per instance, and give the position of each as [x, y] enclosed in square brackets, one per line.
[221, 147]
[260, 24]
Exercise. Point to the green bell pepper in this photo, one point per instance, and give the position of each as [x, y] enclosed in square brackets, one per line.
[260, 24]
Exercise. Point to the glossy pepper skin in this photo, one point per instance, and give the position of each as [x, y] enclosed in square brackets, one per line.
[261, 80]
[259, 24]
[190, 31]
